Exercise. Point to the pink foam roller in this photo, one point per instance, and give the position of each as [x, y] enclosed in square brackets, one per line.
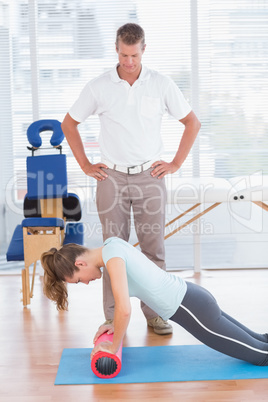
[106, 365]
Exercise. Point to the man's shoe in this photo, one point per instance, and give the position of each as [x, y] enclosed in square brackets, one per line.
[160, 326]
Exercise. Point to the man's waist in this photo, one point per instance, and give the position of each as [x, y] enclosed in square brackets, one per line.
[129, 169]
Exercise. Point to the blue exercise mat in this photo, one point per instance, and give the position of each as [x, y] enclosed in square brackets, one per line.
[158, 364]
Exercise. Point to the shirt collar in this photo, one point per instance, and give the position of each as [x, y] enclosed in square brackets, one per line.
[144, 75]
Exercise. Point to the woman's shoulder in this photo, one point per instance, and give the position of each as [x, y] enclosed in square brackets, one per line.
[119, 248]
[115, 247]
[114, 240]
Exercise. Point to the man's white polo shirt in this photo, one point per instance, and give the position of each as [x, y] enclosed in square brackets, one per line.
[130, 116]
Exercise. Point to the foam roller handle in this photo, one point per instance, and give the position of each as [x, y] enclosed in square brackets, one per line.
[104, 364]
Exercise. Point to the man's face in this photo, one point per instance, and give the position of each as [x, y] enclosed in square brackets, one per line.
[130, 56]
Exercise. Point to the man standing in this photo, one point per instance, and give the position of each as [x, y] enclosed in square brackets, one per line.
[130, 101]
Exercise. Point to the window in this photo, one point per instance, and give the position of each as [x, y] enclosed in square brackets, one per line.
[216, 52]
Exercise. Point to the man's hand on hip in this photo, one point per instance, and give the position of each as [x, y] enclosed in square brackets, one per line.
[96, 171]
[161, 168]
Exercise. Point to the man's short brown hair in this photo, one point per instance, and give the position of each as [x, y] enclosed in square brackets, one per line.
[130, 34]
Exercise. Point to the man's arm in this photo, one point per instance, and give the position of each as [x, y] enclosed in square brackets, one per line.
[192, 127]
[70, 129]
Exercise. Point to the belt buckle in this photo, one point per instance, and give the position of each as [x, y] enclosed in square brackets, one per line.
[131, 167]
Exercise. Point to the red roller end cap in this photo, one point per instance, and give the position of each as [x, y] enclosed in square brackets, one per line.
[104, 364]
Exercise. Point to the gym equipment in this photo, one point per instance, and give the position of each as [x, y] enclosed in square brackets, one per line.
[106, 365]
[151, 364]
[51, 214]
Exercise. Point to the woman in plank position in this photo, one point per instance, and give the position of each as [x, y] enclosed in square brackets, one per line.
[185, 303]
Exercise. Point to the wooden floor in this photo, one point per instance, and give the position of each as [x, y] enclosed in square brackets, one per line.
[32, 340]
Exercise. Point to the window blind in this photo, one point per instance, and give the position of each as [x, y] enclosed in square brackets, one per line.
[75, 43]
[215, 51]
[233, 57]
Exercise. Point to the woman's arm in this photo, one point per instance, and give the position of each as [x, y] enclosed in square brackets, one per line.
[117, 271]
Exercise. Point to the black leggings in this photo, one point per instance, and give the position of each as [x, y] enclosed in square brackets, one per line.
[200, 315]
